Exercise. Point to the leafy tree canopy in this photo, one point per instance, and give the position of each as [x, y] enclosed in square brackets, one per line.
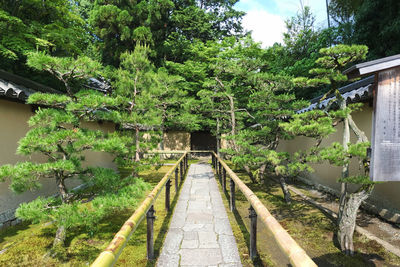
[167, 26]
[53, 26]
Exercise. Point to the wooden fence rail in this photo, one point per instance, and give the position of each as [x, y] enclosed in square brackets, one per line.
[296, 255]
[110, 255]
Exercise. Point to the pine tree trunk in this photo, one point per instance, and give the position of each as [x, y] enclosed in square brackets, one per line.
[342, 200]
[62, 189]
[60, 237]
[345, 168]
[347, 222]
[285, 190]
[249, 173]
[261, 173]
[137, 144]
[218, 138]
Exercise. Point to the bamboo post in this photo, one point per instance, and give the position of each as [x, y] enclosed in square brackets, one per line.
[253, 232]
[150, 233]
[176, 179]
[167, 195]
[110, 254]
[224, 179]
[232, 196]
[296, 255]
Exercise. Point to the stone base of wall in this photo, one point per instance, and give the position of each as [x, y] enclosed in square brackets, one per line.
[388, 214]
[7, 218]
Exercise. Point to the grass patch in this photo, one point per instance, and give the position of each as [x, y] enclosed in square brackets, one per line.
[311, 229]
[28, 244]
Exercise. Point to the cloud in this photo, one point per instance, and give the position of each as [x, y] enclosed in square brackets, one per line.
[265, 18]
[289, 8]
[266, 28]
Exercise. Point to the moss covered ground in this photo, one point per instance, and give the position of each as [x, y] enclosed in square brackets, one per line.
[311, 229]
[28, 244]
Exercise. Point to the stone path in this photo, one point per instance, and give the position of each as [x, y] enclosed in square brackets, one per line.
[200, 233]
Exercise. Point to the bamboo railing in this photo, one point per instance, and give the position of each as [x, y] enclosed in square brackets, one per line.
[110, 255]
[296, 255]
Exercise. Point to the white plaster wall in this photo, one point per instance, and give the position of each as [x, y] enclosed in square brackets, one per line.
[385, 194]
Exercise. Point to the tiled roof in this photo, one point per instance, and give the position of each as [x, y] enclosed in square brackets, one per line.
[99, 84]
[19, 88]
[12, 90]
[354, 92]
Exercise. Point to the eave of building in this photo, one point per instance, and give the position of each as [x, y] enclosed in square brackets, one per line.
[374, 66]
[17, 88]
[355, 92]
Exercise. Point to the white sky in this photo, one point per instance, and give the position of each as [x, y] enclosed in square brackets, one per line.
[266, 18]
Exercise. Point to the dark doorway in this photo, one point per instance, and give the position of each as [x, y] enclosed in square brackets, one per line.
[203, 141]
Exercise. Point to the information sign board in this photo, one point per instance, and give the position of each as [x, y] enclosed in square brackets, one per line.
[385, 159]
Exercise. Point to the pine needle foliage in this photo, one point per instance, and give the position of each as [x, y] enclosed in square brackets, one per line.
[60, 132]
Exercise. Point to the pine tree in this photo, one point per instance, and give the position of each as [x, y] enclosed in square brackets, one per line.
[271, 103]
[138, 110]
[58, 133]
[333, 61]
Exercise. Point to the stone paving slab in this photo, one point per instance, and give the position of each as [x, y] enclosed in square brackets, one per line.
[200, 233]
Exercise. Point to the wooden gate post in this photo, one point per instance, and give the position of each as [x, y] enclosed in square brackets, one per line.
[176, 180]
[232, 203]
[253, 232]
[213, 160]
[224, 179]
[167, 195]
[150, 233]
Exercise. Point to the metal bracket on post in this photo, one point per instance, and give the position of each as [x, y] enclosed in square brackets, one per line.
[232, 203]
[224, 179]
[167, 195]
[150, 233]
[253, 232]
[176, 180]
